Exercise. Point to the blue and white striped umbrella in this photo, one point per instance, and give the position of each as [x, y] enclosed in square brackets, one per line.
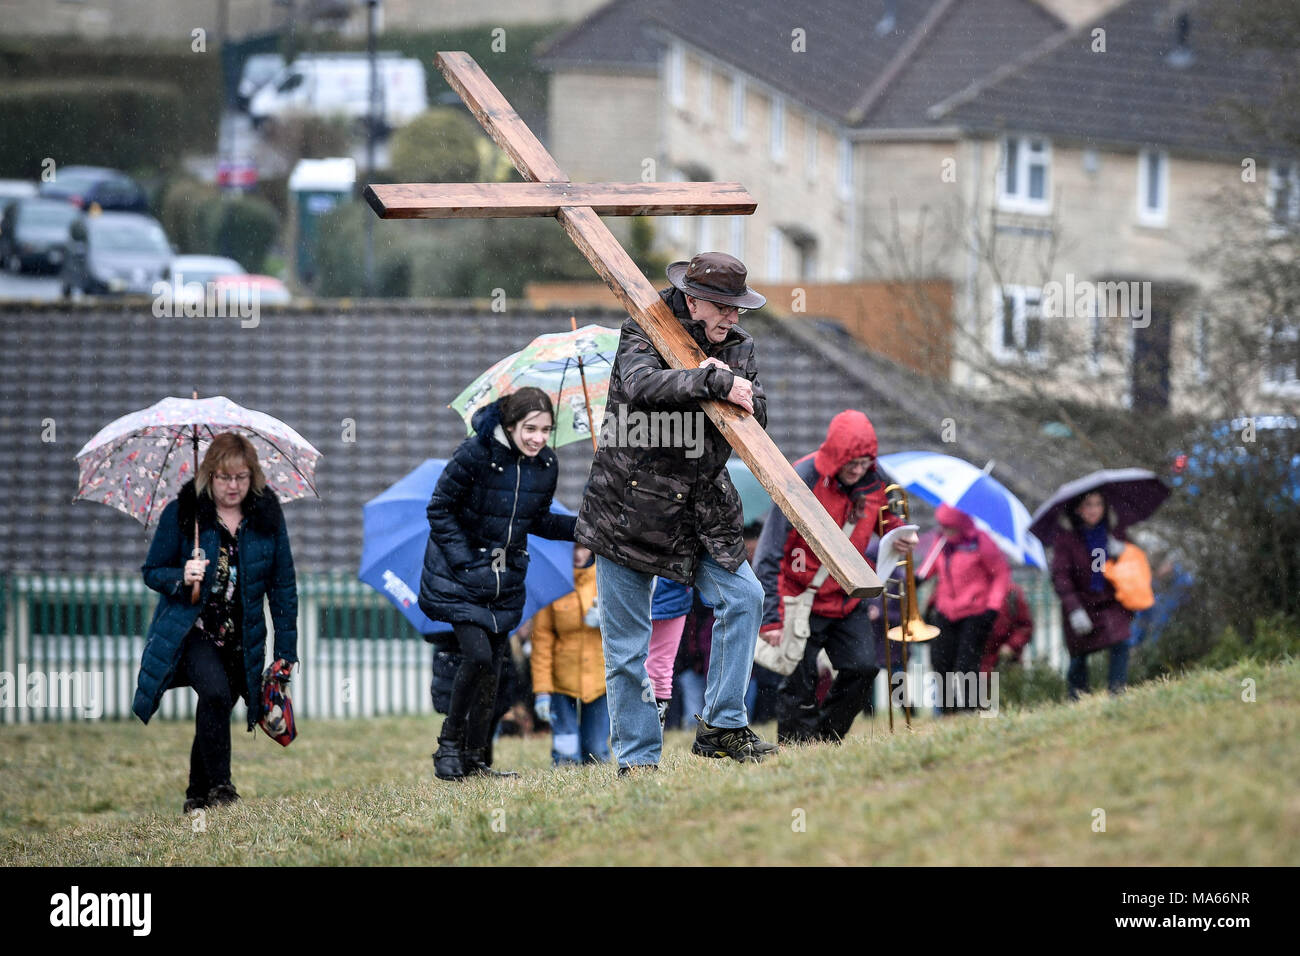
[943, 479]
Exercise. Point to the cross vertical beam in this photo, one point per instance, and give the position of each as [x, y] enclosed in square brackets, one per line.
[642, 302]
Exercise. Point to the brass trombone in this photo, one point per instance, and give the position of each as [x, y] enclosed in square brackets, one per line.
[911, 629]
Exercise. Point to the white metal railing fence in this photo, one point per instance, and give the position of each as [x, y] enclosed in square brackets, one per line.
[71, 646]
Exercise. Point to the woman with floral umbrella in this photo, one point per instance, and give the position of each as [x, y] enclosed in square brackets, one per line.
[230, 510]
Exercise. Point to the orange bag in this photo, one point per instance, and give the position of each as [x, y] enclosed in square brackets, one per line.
[1130, 576]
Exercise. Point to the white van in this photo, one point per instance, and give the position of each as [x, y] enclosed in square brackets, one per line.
[338, 84]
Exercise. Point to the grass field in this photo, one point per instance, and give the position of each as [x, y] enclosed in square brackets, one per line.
[1186, 772]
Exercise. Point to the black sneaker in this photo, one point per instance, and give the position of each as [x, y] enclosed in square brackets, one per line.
[761, 745]
[194, 803]
[734, 742]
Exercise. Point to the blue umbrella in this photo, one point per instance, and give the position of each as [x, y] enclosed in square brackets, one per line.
[397, 530]
[755, 502]
[943, 479]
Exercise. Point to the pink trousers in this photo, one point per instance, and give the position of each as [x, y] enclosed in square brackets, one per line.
[664, 638]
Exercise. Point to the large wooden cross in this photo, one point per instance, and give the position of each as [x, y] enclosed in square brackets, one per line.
[578, 207]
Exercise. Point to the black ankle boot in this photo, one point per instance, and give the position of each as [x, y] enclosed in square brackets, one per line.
[476, 767]
[448, 760]
[222, 794]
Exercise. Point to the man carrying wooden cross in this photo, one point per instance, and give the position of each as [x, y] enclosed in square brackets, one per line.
[656, 507]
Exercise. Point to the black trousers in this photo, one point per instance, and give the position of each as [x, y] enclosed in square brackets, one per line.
[474, 690]
[217, 677]
[848, 643]
[955, 655]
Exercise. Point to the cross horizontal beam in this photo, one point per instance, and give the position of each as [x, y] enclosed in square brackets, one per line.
[522, 200]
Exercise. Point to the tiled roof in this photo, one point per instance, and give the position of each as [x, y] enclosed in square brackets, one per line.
[1134, 93]
[849, 70]
[391, 367]
[614, 36]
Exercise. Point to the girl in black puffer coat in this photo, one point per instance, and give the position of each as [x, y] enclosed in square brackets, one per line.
[495, 491]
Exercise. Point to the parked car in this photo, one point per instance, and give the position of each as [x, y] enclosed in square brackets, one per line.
[108, 189]
[33, 234]
[265, 290]
[11, 189]
[1223, 447]
[338, 84]
[115, 252]
[190, 275]
[259, 69]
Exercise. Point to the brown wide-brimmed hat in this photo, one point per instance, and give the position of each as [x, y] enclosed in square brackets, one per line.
[717, 277]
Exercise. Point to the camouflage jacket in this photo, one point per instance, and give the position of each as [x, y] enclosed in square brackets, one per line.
[659, 489]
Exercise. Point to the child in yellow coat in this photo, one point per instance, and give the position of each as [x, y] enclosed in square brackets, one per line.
[569, 670]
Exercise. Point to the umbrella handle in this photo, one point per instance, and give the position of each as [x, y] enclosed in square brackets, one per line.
[194, 591]
[586, 398]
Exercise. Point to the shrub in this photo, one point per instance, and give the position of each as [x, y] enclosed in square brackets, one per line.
[66, 121]
[1020, 686]
[132, 63]
[275, 190]
[247, 228]
[438, 146]
[189, 215]
[1274, 638]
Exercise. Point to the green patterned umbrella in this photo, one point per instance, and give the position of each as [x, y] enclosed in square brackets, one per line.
[550, 362]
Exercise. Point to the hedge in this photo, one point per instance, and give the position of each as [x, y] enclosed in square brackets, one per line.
[52, 60]
[127, 125]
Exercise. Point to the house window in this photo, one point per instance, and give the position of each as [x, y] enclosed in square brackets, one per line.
[807, 253]
[1153, 188]
[778, 129]
[1284, 193]
[775, 241]
[1018, 332]
[676, 75]
[1025, 177]
[846, 167]
[738, 106]
[1282, 358]
[704, 233]
[811, 134]
[738, 237]
[706, 91]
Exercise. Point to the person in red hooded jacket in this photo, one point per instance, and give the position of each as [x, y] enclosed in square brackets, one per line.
[843, 477]
[973, 581]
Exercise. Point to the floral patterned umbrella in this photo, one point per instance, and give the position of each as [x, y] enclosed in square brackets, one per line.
[550, 362]
[138, 463]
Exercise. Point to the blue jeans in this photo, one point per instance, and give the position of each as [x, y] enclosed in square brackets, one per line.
[579, 737]
[1117, 677]
[624, 597]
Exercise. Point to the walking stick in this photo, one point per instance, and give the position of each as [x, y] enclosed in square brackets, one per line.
[586, 397]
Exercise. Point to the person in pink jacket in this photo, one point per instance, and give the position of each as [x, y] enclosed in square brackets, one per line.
[973, 582]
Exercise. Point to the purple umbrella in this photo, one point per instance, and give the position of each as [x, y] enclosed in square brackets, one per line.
[1132, 495]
